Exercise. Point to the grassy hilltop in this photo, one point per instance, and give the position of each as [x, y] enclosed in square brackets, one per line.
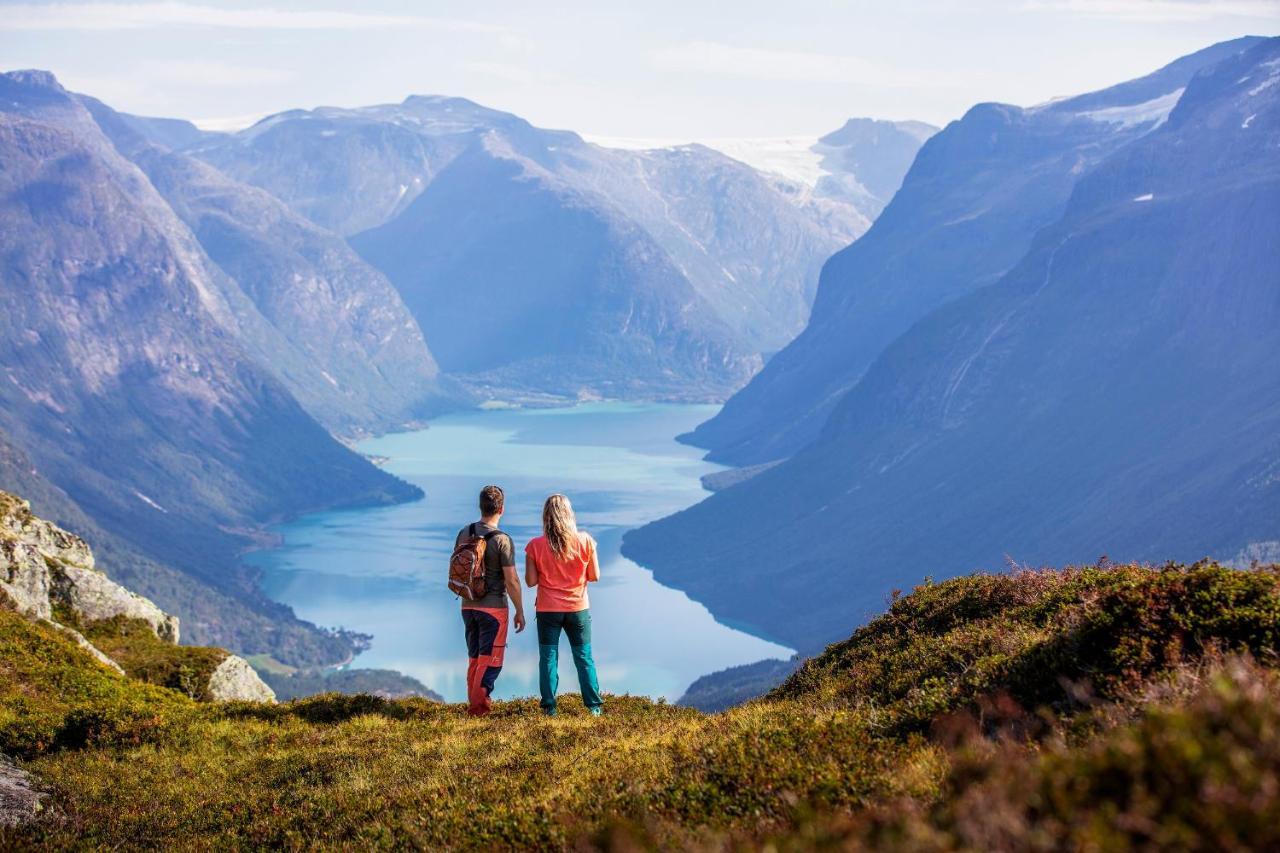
[1111, 707]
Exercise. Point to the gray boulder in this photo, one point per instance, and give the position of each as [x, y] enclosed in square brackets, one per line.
[94, 596]
[235, 680]
[24, 578]
[19, 802]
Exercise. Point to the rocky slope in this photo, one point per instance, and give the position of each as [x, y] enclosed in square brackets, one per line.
[329, 326]
[1114, 393]
[124, 380]
[49, 575]
[967, 213]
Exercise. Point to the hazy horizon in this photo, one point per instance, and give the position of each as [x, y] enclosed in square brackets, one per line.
[667, 72]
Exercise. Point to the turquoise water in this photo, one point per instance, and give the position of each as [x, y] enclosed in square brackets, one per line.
[382, 570]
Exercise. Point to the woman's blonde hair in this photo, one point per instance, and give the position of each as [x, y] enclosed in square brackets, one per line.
[560, 527]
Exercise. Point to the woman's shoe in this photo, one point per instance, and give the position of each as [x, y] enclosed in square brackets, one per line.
[595, 712]
[548, 712]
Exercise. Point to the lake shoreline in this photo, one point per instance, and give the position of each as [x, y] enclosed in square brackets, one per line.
[621, 464]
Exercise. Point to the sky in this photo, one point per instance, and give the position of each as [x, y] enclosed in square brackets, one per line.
[647, 69]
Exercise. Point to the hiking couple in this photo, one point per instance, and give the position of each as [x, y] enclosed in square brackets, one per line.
[560, 563]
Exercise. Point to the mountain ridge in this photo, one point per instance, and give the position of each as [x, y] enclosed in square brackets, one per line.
[968, 209]
[1074, 409]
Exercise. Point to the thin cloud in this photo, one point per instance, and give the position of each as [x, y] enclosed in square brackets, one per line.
[511, 73]
[1155, 11]
[212, 74]
[707, 57]
[134, 16]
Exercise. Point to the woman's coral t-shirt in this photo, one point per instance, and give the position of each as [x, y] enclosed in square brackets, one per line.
[562, 583]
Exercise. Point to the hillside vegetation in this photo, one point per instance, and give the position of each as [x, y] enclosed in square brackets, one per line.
[1113, 706]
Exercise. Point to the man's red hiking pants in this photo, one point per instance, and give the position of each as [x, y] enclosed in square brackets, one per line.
[486, 644]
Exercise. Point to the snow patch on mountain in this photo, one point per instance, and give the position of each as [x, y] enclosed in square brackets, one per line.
[1155, 110]
[796, 158]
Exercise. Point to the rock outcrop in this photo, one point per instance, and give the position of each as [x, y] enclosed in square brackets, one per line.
[45, 568]
[19, 802]
[49, 574]
[235, 680]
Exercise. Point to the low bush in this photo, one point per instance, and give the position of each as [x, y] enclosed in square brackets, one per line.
[1090, 708]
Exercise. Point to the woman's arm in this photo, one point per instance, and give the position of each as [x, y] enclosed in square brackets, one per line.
[593, 567]
[530, 571]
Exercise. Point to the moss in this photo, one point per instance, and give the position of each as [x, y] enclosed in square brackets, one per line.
[1043, 638]
[133, 644]
[54, 696]
[862, 747]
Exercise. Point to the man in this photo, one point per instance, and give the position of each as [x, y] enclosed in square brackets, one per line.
[485, 619]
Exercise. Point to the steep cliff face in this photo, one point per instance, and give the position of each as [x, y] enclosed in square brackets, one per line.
[48, 574]
[121, 374]
[523, 282]
[1115, 393]
[968, 211]
[331, 327]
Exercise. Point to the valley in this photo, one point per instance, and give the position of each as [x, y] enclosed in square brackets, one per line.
[378, 570]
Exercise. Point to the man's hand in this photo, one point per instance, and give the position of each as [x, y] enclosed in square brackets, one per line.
[519, 621]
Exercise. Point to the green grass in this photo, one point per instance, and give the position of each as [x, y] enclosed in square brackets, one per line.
[268, 664]
[54, 696]
[1033, 710]
[144, 656]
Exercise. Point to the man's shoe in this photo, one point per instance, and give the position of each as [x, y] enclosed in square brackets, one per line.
[548, 712]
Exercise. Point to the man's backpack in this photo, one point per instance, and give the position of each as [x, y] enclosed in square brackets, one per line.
[466, 565]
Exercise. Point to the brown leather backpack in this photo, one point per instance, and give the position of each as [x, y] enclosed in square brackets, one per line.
[466, 565]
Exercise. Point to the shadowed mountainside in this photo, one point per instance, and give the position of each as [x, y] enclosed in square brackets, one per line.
[1115, 393]
[126, 382]
[968, 211]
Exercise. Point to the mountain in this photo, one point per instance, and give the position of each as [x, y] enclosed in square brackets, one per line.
[520, 281]
[683, 264]
[126, 383]
[1116, 392]
[855, 170]
[864, 162]
[331, 327]
[968, 210]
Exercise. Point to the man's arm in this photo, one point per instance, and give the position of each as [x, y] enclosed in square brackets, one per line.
[512, 580]
[513, 590]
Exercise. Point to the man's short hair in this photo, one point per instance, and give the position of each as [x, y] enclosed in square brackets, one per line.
[491, 500]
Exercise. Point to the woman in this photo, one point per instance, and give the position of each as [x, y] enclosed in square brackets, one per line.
[560, 563]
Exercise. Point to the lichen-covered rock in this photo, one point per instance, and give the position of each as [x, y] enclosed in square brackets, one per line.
[24, 578]
[19, 802]
[235, 680]
[93, 596]
[18, 524]
[43, 567]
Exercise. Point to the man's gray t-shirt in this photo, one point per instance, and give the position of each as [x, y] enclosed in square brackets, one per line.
[498, 553]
